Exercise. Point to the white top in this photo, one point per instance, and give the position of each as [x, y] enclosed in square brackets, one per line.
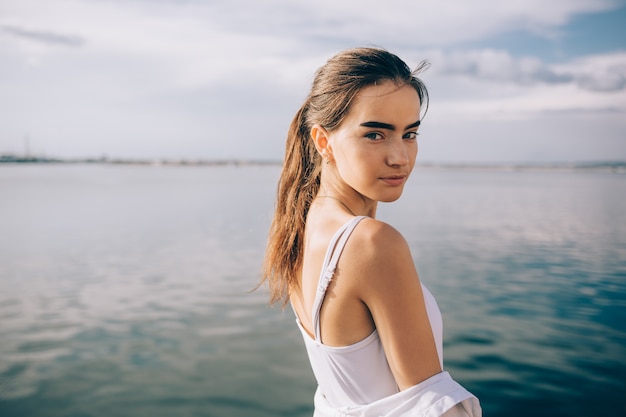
[358, 375]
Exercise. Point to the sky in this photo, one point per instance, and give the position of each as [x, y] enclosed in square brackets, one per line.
[522, 81]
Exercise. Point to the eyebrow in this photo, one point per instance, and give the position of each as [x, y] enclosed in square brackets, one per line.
[381, 125]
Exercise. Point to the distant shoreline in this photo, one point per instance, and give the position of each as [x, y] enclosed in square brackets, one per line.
[603, 166]
[15, 159]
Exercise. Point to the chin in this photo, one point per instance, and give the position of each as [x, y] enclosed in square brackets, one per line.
[390, 198]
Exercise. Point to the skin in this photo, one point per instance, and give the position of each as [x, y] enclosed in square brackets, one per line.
[376, 285]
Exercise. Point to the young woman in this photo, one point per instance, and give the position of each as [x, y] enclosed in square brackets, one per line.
[372, 331]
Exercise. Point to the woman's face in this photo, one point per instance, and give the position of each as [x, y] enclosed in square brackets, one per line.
[375, 147]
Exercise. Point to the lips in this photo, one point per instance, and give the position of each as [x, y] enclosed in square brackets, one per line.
[394, 180]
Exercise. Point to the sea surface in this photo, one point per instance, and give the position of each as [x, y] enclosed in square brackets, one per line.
[127, 290]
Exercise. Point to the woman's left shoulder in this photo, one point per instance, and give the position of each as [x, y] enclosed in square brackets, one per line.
[376, 235]
[378, 251]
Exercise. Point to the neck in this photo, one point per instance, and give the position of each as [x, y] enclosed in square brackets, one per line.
[355, 206]
[334, 188]
[339, 201]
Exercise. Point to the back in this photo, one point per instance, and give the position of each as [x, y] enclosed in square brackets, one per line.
[357, 373]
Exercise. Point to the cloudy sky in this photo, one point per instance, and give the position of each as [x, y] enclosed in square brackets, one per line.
[510, 81]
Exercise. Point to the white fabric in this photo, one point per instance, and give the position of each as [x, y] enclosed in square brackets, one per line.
[356, 380]
[438, 396]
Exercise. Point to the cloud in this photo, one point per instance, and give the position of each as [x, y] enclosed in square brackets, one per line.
[322, 24]
[42, 36]
[200, 43]
[427, 23]
[45, 37]
[601, 73]
[500, 66]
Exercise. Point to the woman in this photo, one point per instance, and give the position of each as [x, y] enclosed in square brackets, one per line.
[372, 331]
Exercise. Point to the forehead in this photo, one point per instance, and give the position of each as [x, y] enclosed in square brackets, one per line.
[386, 100]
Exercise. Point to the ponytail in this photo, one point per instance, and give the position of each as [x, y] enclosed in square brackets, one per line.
[298, 184]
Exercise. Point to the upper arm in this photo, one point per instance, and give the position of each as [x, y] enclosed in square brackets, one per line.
[393, 294]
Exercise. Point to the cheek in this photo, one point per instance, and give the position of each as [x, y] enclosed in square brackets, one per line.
[414, 150]
[358, 167]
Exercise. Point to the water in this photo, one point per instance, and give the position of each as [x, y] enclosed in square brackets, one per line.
[125, 290]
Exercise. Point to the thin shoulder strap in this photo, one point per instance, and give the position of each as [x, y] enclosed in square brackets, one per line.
[331, 259]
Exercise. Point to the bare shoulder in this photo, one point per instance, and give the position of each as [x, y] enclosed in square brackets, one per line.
[380, 252]
[375, 234]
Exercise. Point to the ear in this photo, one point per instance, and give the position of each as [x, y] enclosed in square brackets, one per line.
[321, 141]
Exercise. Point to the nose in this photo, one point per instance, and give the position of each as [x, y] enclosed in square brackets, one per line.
[398, 153]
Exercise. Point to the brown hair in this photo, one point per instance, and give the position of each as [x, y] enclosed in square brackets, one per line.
[334, 88]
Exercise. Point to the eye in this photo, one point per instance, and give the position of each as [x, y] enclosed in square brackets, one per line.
[375, 136]
[410, 135]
